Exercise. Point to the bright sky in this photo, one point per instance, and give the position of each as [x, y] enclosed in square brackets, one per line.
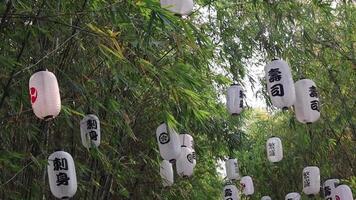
[255, 71]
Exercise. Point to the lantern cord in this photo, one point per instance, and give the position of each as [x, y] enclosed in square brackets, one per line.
[300, 71]
[91, 164]
[311, 149]
[45, 132]
[300, 64]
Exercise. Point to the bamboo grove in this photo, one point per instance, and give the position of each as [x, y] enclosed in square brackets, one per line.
[135, 65]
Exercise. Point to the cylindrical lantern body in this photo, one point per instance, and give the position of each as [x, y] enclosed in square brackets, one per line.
[343, 192]
[311, 180]
[307, 108]
[293, 196]
[61, 175]
[234, 99]
[274, 149]
[180, 7]
[231, 192]
[232, 169]
[280, 84]
[168, 142]
[266, 198]
[186, 140]
[166, 172]
[185, 163]
[247, 185]
[44, 94]
[329, 188]
[90, 131]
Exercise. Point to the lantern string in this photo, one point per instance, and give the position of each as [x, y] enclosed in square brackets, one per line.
[300, 71]
[301, 63]
[311, 148]
[45, 132]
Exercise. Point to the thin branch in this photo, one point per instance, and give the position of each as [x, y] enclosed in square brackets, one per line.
[46, 56]
[24, 42]
[17, 173]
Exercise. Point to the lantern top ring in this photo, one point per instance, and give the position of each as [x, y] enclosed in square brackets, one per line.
[58, 149]
[40, 69]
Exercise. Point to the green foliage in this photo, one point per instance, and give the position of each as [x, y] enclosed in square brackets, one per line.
[134, 65]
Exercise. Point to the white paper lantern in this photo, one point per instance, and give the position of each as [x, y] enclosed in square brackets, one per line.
[166, 172]
[343, 192]
[329, 188]
[90, 131]
[44, 95]
[280, 84]
[168, 143]
[231, 192]
[185, 163]
[234, 99]
[247, 185]
[274, 149]
[266, 198]
[186, 140]
[293, 196]
[180, 7]
[61, 175]
[311, 180]
[307, 109]
[232, 169]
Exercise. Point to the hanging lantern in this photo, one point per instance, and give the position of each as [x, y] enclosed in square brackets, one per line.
[311, 180]
[307, 108]
[186, 140]
[166, 172]
[329, 188]
[274, 149]
[44, 94]
[280, 84]
[231, 192]
[293, 196]
[234, 99]
[90, 131]
[61, 175]
[168, 143]
[343, 192]
[266, 198]
[232, 169]
[247, 185]
[185, 163]
[180, 7]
